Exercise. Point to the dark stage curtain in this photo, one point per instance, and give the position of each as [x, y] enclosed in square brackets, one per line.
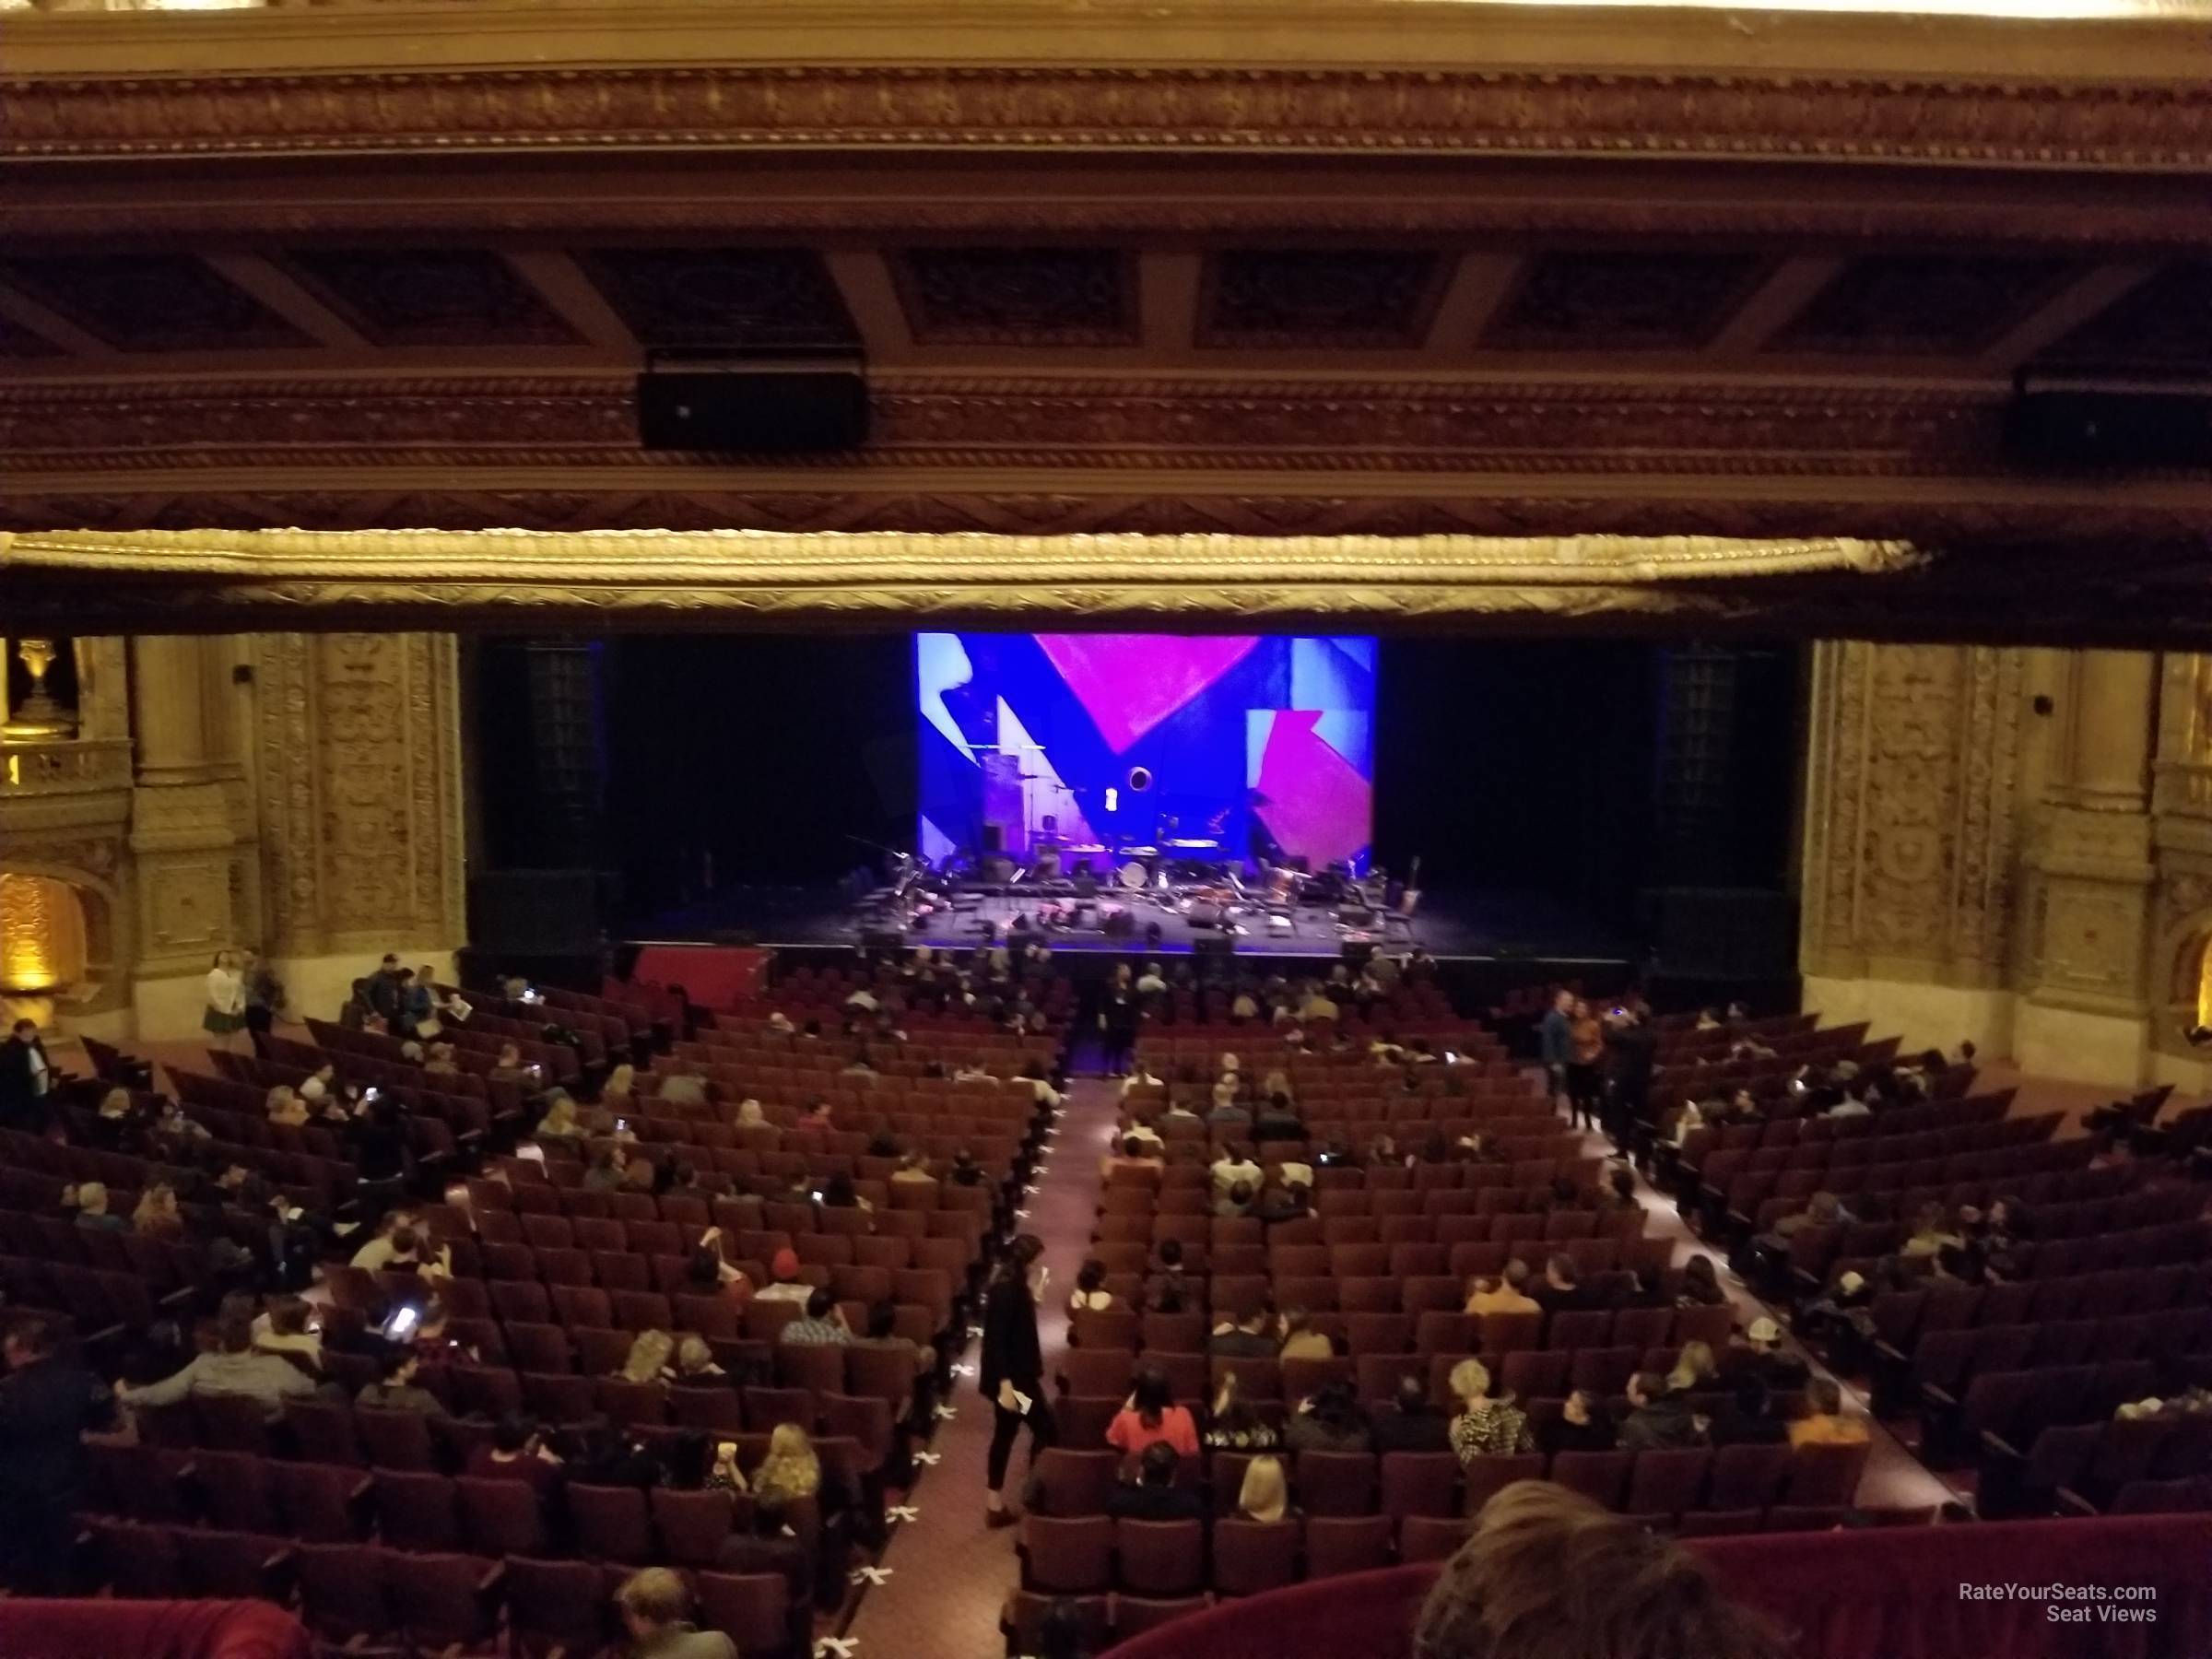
[1884, 1594]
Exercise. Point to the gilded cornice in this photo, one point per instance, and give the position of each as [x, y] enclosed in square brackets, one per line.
[830, 559]
[856, 579]
[2146, 124]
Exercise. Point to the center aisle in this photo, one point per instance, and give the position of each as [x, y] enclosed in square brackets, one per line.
[950, 1573]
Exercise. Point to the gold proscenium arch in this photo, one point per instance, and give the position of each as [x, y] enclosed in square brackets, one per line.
[230, 579]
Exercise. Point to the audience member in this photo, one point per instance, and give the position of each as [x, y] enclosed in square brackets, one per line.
[822, 1325]
[1508, 1294]
[1485, 1425]
[1658, 1419]
[48, 1403]
[1155, 1494]
[1328, 1420]
[1581, 1425]
[1266, 1494]
[1548, 1574]
[1150, 1416]
[1411, 1424]
[655, 1608]
[234, 1368]
[397, 1390]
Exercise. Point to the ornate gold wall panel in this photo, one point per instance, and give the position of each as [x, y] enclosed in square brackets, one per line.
[1911, 812]
[359, 765]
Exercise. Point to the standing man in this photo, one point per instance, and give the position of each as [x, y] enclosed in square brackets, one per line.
[1554, 1044]
[46, 1404]
[26, 1078]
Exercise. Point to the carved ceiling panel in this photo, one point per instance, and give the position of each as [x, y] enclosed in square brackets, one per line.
[150, 302]
[1320, 297]
[1048, 295]
[1623, 299]
[429, 296]
[16, 341]
[723, 296]
[1907, 304]
[2165, 323]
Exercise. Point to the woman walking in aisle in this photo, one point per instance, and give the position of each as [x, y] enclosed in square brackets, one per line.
[1012, 1373]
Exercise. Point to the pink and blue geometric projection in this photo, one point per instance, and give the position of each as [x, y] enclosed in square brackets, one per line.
[1261, 743]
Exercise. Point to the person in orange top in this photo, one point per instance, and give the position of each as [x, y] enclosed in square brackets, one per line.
[1151, 1417]
[1507, 1295]
[1825, 1425]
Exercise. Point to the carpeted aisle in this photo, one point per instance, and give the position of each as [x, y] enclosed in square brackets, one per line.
[949, 1575]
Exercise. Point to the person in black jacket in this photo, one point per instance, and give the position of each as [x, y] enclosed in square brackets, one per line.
[27, 1080]
[1012, 1373]
[46, 1402]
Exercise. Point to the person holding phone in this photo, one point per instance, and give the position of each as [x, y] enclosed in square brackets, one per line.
[1012, 1371]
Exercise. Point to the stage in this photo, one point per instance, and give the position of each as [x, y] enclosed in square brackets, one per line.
[1472, 926]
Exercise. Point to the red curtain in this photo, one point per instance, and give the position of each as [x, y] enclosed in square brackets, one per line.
[125, 1629]
[1893, 1593]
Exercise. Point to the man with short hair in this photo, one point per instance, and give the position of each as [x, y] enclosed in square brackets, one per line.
[235, 1368]
[1562, 1290]
[1508, 1295]
[823, 1324]
[1154, 1496]
[655, 1608]
[1247, 1338]
[1233, 1168]
[1411, 1424]
[1554, 1042]
[47, 1403]
[397, 1390]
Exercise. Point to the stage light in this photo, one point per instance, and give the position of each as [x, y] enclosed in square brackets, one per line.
[1113, 799]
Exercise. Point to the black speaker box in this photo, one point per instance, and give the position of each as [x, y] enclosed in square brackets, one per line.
[1722, 932]
[780, 405]
[534, 912]
[2109, 429]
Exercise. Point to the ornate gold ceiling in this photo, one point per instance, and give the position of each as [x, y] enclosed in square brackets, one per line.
[1253, 267]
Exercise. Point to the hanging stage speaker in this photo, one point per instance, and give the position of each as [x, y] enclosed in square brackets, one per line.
[2108, 428]
[780, 403]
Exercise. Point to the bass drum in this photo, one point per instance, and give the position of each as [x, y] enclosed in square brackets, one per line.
[1132, 875]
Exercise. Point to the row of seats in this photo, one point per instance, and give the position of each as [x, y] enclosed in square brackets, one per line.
[360, 1597]
[854, 1432]
[1356, 1510]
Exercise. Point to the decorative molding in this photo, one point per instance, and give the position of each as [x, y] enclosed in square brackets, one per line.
[1063, 423]
[1443, 111]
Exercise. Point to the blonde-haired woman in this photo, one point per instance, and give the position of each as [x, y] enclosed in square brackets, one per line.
[749, 1115]
[649, 1356]
[560, 1123]
[1266, 1494]
[285, 1109]
[156, 1216]
[1485, 1426]
[1694, 1367]
[791, 1470]
[621, 1082]
[695, 1361]
[226, 1013]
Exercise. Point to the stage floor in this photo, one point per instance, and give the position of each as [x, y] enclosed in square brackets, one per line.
[1477, 925]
